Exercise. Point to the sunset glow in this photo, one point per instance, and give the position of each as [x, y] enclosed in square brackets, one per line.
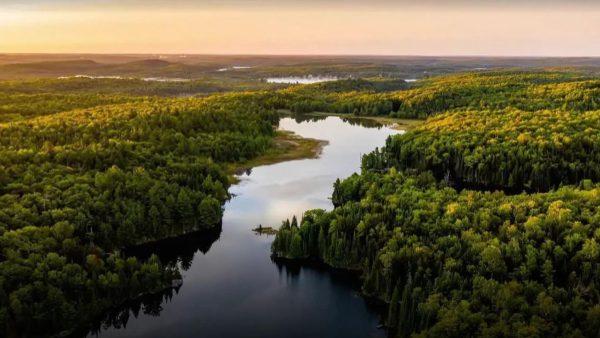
[317, 27]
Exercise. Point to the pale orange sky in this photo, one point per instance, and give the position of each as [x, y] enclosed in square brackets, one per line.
[322, 28]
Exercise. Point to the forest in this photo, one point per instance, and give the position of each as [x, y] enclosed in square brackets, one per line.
[91, 168]
[77, 187]
[528, 91]
[482, 221]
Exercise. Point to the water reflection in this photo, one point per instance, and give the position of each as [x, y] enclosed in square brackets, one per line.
[363, 122]
[231, 286]
[352, 120]
[149, 306]
[299, 118]
[178, 250]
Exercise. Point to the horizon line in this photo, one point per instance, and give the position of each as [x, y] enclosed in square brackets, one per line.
[302, 55]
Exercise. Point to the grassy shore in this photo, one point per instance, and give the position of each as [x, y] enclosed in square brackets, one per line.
[288, 146]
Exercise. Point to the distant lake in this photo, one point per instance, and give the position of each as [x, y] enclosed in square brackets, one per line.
[232, 288]
[301, 79]
[118, 77]
[233, 68]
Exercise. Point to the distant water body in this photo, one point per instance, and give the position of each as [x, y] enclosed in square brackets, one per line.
[233, 68]
[117, 77]
[301, 79]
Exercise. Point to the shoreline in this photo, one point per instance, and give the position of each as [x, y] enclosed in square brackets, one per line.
[288, 146]
[392, 122]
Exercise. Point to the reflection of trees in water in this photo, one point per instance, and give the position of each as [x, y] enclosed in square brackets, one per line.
[293, 269]
[290, 268]
[363, 122]
[150, 305]
[178, 249]
[299, 118]
[175, 252]
[352, 120]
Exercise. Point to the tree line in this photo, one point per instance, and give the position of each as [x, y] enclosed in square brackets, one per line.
[528, 91]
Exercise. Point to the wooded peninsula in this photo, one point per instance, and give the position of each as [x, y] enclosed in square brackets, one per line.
[482, 221]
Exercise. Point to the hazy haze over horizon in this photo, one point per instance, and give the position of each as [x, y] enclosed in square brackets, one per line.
[314, 27]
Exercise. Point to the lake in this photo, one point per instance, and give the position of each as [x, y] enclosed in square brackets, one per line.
[118, 77]
[232, 288]
[301, 79]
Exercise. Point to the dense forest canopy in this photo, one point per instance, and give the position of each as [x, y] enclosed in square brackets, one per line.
[482, 221]
[498, 130]
[508, 149]
[89, 167]
[528, 91]
[78, 186]
[454, 263]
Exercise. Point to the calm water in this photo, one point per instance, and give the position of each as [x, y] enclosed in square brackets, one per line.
[301, 79]
[118, 77]
[231, 286]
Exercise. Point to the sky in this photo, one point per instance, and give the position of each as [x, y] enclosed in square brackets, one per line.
[322, 27]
